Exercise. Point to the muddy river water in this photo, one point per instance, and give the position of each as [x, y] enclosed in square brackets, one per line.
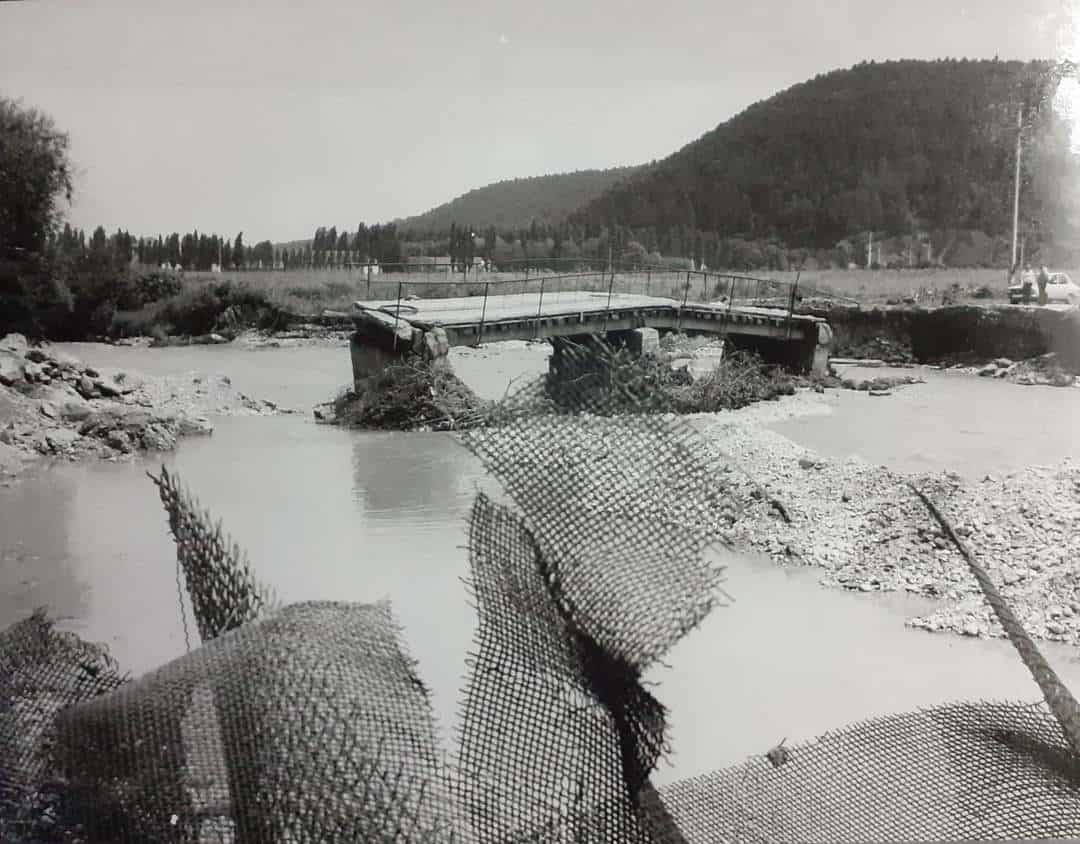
[332, 514]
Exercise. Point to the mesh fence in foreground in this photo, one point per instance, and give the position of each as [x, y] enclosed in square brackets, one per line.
[309, 722]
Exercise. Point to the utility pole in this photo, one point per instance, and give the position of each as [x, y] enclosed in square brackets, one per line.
[870, 251]
[1016, 188]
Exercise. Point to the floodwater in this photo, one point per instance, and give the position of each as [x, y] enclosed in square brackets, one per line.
[331, 514]
[956, 422]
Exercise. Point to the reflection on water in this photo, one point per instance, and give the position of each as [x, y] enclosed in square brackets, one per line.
[332, 514]
[415, 476]
[103, 559]
[37, 568]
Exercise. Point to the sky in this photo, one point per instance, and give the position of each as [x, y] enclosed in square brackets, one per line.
[274, 118]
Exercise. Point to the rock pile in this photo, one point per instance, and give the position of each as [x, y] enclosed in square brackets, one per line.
[1044, 370]
[53, 404]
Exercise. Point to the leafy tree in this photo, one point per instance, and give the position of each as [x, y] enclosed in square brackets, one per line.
[35, 178]
[238, 255]
[35, 181]
[262, 254]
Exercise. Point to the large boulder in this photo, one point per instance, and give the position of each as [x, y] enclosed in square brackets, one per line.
[120, 426]
[65, 361]
[12, 367]
[116, 382]
[86, 387]
[14, 343]
[64, 401]
[193, 426]
[57, 440]
[34, 372]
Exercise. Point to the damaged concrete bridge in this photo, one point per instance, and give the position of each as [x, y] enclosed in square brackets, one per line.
[429, 327]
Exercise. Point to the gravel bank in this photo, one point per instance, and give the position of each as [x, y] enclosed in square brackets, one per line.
[867, 531]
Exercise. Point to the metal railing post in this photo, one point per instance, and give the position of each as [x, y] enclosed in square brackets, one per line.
[607, 307]
[397, 314]
[791, 303]
[539, 309]
[483, 314]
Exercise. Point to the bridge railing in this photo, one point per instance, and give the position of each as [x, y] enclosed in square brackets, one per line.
[535, 296]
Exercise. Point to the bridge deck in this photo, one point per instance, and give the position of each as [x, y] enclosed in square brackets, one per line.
[529, 314]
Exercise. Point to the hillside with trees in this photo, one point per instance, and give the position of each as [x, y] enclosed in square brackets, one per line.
[919, 151]
[518, 203]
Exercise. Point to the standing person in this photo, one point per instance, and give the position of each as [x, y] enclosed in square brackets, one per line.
[1043, 280]
[1027, 279]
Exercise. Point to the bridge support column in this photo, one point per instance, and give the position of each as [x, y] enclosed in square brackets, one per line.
[372, 351]
[642, 341]
[820, 363]
[578, 367]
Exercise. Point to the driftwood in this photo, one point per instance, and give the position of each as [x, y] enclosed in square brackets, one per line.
[1059, 699]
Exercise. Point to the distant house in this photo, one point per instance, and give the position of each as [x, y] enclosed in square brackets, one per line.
[428, 264]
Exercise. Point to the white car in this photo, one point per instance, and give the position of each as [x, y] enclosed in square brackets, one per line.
[1060, 290]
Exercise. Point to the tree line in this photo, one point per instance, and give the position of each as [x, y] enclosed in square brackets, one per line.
[190, 251]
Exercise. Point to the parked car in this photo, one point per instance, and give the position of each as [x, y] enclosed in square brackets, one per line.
[1060, 290]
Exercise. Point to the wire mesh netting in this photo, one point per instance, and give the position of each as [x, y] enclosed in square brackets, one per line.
[959, 772]
[309, 722]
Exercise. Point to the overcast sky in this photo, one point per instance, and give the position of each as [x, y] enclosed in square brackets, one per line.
[274, 118]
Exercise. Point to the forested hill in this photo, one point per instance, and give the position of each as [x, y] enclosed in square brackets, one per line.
[517, 203]
[896, 148]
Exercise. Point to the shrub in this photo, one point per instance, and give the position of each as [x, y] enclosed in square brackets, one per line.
[222, 307]
[143, 287]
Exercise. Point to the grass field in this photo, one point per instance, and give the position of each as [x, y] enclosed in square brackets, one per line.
[315, 290]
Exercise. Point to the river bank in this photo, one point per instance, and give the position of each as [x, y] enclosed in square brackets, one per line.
[55, 406]
[971, 335]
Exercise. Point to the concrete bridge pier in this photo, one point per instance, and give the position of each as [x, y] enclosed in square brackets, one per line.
[378, 341]
[576, 366]
[574, 361]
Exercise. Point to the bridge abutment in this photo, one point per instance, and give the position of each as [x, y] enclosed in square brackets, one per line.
[805, 355]
[372, 348]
